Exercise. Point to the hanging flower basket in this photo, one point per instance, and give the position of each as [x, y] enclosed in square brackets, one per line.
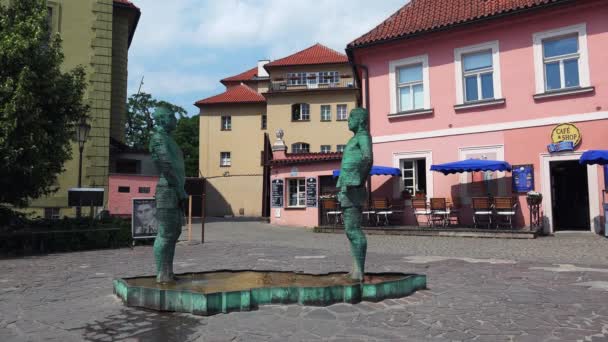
[534, 198]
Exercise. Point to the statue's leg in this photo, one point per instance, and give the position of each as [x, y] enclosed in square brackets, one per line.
[169, 229]
[358, 242]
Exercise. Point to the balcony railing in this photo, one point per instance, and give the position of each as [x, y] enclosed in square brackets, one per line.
[283, 85]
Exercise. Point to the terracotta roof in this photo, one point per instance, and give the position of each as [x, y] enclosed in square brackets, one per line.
[248, 75]
[238, 94]
[126, 3]
[420, 16]
[316, 54]
[295, 158]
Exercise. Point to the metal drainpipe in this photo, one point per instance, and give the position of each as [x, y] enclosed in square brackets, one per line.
[369, 122]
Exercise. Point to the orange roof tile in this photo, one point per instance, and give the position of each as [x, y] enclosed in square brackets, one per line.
[316, 54]
[248, 75]
[238, 94]
[420, 16]
[294, 158]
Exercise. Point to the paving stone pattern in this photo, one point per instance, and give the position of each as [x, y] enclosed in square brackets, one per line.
[479, 290]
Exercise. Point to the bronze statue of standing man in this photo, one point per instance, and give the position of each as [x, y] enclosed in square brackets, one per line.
[170, 193]
[356, 164]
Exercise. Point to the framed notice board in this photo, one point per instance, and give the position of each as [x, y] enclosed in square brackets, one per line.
[523, 178]
[276, 194]
[311, 192]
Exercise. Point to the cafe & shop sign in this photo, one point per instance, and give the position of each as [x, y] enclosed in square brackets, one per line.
[564, 137]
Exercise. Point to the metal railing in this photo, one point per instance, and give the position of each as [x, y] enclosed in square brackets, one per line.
[283, 85]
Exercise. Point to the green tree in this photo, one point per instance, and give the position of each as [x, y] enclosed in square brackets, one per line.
[139, 126]
[39, 103]
[186, 136]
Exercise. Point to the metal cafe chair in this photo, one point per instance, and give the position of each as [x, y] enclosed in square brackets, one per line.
[331, 209]
[368, 214]
[381, 206]
[439, 211]
[504, 208]
[421, 208]
[454, 209]
[482, 209]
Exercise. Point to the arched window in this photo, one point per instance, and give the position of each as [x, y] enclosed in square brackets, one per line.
[300, 147]
[300, 112]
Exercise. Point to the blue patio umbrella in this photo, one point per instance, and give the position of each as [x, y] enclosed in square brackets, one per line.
[378, 171]
[471, 165]
[593, 157]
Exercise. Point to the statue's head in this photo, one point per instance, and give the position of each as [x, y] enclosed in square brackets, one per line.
[165, 118]
[358, 120]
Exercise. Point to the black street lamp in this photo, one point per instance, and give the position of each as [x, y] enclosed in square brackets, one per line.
[82, 133]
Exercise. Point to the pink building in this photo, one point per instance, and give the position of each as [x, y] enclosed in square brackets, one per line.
[133, 174]
[300, 183]
[491, 79]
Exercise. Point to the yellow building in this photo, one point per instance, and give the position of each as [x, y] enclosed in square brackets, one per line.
[307, 94]
[96, 34]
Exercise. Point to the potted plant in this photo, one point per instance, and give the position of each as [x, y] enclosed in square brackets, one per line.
[534, 198]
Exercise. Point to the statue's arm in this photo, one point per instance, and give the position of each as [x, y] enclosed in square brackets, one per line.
[365, 144]
[162, 159]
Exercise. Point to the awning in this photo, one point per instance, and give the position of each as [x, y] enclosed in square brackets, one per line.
[378, 171]
[471, 165]
[593, 157]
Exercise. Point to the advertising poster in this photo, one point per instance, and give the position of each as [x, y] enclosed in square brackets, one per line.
[143, 220]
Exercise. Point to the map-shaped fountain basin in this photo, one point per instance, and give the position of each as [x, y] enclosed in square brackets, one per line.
[223, 291]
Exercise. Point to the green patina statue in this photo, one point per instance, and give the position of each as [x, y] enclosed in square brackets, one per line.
[170, 194]
[356, 164]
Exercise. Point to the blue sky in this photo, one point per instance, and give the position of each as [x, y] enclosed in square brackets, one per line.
[183, 48]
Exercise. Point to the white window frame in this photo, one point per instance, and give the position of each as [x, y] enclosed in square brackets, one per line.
[492, 46]
[500, 155]
[299, 81]
[339, 115]
[225, 159]
[340, 148]
[334, 77]
[298, 192]
[399, 157]
[300, 148]
[328, 107]
[325, 148]
[392, 79]
[583, 60]
[226, 123]
[304, 116]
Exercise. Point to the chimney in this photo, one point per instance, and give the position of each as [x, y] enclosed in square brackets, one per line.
[261, 71]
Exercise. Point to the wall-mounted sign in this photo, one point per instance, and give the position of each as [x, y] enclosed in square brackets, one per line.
[311, 192]
[294, 172]
[523, 178]
[564, 137]
[276, 193]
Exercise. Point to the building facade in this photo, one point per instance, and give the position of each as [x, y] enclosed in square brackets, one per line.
[307, 95]
[453, 80]
[96, 34]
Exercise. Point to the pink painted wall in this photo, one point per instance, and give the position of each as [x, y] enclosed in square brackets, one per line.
[121, 203]
[521, 146]
[517, 71]
[307, 217]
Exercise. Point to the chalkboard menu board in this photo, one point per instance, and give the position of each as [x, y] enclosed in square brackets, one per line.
[311, 192]
[276, 195]
[523, 178]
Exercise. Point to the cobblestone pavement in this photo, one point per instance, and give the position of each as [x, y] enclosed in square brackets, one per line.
[548, 289]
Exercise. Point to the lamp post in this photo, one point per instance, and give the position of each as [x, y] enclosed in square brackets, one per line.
[82, 132]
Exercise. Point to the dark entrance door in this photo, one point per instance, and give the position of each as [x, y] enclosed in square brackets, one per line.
[570, 194]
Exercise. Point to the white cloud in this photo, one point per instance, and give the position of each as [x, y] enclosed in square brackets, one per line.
[279, 24]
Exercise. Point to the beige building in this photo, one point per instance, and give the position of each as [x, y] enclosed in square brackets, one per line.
[307, 94]
[95, 34]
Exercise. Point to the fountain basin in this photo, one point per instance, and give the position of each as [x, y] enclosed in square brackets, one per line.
[224, 291]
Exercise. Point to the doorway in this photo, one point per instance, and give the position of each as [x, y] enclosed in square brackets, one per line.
[570, 195]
